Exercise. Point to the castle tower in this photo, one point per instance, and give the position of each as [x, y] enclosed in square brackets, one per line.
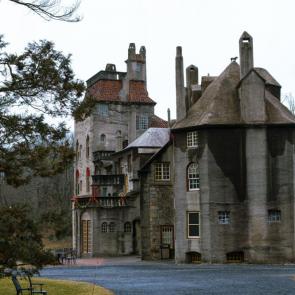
[136, 63]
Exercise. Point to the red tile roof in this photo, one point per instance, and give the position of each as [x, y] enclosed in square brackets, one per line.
[138, 93]
[105, 90]
[157, 122]
[108, 90]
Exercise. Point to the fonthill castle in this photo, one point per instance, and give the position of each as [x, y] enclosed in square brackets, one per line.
[215, 185]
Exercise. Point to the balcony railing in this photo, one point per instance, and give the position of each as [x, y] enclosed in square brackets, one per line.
[107, 180]
[102, 202]
[102, 155]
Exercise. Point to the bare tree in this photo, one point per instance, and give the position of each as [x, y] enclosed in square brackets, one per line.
[289, 102]
[52, 9]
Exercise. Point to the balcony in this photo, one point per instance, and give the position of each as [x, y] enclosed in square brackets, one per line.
[108, 180]
[102, 155]
[101, 202]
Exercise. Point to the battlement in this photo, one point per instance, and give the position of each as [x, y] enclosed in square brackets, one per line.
[138, 57]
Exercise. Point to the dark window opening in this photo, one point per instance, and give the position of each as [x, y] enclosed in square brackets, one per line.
[235, 257]
[193, 257]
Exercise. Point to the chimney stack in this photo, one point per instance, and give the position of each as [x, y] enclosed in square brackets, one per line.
[180, 90]
[246, 53]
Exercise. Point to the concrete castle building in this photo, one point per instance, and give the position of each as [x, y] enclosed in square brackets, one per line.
[106, 216]
[218, 186]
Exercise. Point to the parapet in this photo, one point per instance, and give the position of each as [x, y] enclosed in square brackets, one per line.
[133, 56]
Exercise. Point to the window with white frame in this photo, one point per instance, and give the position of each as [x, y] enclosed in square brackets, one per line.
[274, 215]
[223, 217]
[142, 122]
[162, 171]
[104, 227]
[193, 224]
[193, 177]
[192, 139]
[103, 109]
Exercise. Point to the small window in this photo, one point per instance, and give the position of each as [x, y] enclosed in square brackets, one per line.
[162, 171]
[87, 183]
[235, 256]
[192, 139]
[80, 186]
[112, 227]
[193, 177]
[77, 150]
[103, 110]
[223, 217]
[102, 138]
[87, 147]
[127, 227]
[104, 227]
[80, 151]
[125, 143]
[274, 216]
[193, 225]
[104, 191]
[129, 166]
[194, 257]
[142, 122]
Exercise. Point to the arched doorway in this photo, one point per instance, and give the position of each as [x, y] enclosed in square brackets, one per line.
[86, 236]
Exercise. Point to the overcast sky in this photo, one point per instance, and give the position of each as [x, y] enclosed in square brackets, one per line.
[207, 30]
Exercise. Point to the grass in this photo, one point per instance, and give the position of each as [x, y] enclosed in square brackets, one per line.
[56, 287]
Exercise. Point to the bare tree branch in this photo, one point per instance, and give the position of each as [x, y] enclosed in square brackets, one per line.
[52, 9]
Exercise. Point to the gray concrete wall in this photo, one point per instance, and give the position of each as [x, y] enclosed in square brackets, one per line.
[157, 207]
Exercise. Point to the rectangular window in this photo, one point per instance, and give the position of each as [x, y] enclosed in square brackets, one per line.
[87, 184]
[162, 171]
[80, 186]
[193, 177]
[142, 122]
[193, 225]
[192, 139]
[103, 109]
[104, 191]
[274, 216]
[223, 217]
[129, 163]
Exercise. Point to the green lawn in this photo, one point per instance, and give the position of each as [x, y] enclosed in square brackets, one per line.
[56, 287]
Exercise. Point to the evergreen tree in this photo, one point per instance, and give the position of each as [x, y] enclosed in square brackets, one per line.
[35, 86]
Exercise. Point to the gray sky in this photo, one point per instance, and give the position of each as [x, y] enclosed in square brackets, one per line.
[207, 30]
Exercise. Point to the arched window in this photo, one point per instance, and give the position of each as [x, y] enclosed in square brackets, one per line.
[77, 182]
[112, 227]
[127, 227]
[80, 151]
[104, 227]
[102, 138]
[193, 177]
[87, 147]
[87, 180]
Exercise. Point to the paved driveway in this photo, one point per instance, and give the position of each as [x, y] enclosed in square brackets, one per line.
[153, 278]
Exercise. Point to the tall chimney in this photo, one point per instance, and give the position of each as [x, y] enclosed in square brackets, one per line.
[192, 78]
[246, 53]
[180, 90]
